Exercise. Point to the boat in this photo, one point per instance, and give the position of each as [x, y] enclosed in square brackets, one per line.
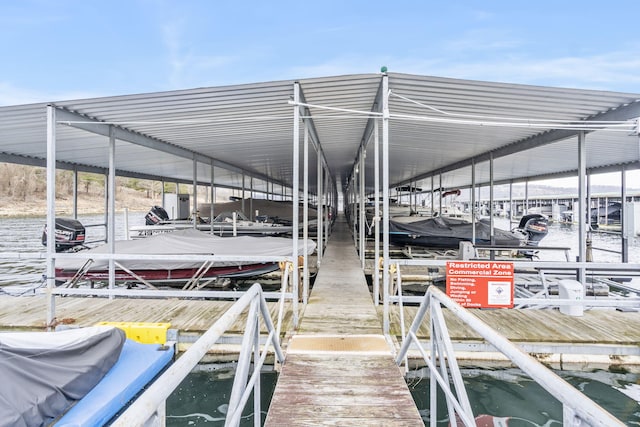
[608, 214]
[271, 211]
[447, 233]
[180, 242]
[45, 373]
[230, 223]
[227, 223]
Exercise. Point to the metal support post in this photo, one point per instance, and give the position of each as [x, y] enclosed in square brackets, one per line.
[195, 193]
[440, 195]
[242, 202]
[473, 201]
[320, 211]
[510, 202]
[385, 201]
[75, 192]
[213, 197]
[582, 205]
[492, 237]
[305, 215]
[296, 196]
[376, 215]
[623, 218]
[330, 204]
[111, 207]
[51, 211]
[362, 219]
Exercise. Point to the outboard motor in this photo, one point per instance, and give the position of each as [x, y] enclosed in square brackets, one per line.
[535, 227]
[156, 215]
[70, 234]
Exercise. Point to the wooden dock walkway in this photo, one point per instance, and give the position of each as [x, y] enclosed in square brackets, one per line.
[339, 368]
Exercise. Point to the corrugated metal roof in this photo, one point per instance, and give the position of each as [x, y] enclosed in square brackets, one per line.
[437, 126]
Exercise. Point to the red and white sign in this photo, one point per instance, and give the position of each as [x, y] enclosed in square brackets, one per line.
[480, 284]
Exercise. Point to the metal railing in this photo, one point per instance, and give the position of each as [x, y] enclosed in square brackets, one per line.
[147, 409]
[195, 291]
[544, 269]
[577, 408]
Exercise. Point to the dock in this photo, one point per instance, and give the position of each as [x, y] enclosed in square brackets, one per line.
[339, 367]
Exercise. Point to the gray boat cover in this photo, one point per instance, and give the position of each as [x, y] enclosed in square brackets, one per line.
[43, 373]
[272, 208]
[189, 242]
[443, 232]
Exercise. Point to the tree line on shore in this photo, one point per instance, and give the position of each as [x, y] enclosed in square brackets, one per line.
[23, 182]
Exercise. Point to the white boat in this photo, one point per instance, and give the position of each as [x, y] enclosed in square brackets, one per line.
[278, 212]
[233, 223]
[227, 223]
[181, 242]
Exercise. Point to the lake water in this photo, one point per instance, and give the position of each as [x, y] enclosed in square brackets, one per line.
[24, 235]
[510, 394]
[202, 398]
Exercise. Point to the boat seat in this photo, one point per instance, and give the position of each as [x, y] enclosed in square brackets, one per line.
[137, 366]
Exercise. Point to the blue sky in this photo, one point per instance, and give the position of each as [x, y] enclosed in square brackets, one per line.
[66, 49]
[69, 49]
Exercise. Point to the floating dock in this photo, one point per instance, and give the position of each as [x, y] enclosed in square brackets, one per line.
[339, 367]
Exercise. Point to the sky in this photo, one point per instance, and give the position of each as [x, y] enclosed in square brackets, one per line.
[70, 49]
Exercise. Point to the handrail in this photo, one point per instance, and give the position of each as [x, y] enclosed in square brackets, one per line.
[494, 248]
[145, 406]
[549, 267]
[577, 408]
[51, 291]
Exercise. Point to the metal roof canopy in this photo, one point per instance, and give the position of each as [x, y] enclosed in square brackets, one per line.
[438, 127]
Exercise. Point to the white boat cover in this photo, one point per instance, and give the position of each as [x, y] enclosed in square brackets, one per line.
[190, 242]
[44, 373]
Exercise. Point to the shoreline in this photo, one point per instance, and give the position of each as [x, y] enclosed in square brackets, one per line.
[36, 207]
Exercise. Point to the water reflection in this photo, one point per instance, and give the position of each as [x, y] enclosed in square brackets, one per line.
[202, 398]
[23, 235]
[517, 400]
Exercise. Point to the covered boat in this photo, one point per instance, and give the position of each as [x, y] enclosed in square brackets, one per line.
[277, 212]
[227, 223]
[45, 373]
[182, 242]
[447, 233]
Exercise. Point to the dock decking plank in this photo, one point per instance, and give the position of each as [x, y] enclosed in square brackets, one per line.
[327, 382]
[183, 314]
[341, 388]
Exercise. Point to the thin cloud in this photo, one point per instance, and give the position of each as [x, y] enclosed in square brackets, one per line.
[186, 67]
[615, 71]
[11, 95]
[482, 40]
